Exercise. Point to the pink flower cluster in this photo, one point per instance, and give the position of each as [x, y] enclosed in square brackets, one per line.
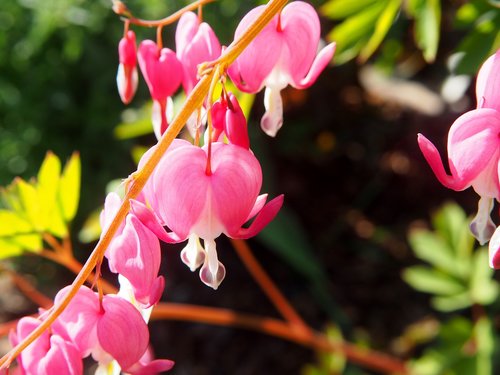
[474, 155]
[195, 194]
[284, 53]
[110, 329]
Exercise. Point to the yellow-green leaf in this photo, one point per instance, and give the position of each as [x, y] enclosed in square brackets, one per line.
[382, 26]
[48, 188]
[338, 9]
[28, 195]
[427, 24]
[69, 188]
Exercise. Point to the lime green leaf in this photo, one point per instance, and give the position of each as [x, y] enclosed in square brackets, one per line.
[382, 26]
[428, 280]
[28, 196]
[483, 289]
[48, 187]
[427, 24]
[136, 122]
[69, 193]
[339, 9]
[17, 235]
[353, 33]
[452, 303]
[91, 229]
[485, 345]
[453, 225]
[434, 250]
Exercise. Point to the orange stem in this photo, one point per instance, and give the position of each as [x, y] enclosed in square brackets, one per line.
[267, 285]
[315, 340]
[167, 20]
[28, 289]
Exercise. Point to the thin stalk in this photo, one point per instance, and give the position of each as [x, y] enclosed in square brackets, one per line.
[267, 285]
[367, 358]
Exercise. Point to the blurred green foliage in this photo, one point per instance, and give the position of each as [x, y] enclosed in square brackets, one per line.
[363, 28]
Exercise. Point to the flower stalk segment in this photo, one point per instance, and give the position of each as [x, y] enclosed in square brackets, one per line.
[139, 178]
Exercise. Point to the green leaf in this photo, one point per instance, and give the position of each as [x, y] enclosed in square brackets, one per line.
[91, 229]
[453, 225]
[427, 26]
[353, 33]
[339, 9]
[28, 196]
[483, 289]
[425, 279]
[485, 345]
[69, 191]
[17, 235]
[136, 122]
[382, 26]
[434, 250]
[50, 217]
[452, 303]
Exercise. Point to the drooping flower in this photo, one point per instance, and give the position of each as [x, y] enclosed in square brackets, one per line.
[283, 54]
[163, 74]
[134, 253]
[199, 202]
[195, 43]
[111, 329]
[474, 149]
[228, 119]
[49, 354]
[127, 77]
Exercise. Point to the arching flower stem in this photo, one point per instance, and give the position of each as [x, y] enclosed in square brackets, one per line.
[123, 11]
[139, 178]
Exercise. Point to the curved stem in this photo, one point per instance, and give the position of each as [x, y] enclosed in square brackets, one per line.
[223, 317]
[167, 20]
[268, 286]
[139, 178]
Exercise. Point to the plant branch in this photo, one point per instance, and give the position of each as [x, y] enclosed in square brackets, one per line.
[315, 340]
[268, 286]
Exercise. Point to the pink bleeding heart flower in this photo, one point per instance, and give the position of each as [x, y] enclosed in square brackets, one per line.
[283, 54]
[50, 354]
[111, 329]
[134, 253]
[163, 74]
[195, 203]
[127, 77]
[195, 43]
[474, 149]
[228, 118]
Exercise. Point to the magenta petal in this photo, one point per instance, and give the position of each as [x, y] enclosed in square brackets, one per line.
[236, 181]
[122, 331]
[152, 222]
[137, 257]
[181, 186]
[319, 64]
[252, 67]
[494, 249]
[432, 156]
[488, 83]
[154, 367]
[80, 317]
[259, 203]
[236, 124]
[162, 70]
[300, 32]
[268, 213]
[472, 142]
[62, 358]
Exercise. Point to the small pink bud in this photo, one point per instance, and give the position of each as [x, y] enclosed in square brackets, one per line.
[127, 77]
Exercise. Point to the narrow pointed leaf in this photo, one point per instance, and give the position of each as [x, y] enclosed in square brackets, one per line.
[69, 191]
[427, 24]
[382, 27]
[426, 279]
[338, 9]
